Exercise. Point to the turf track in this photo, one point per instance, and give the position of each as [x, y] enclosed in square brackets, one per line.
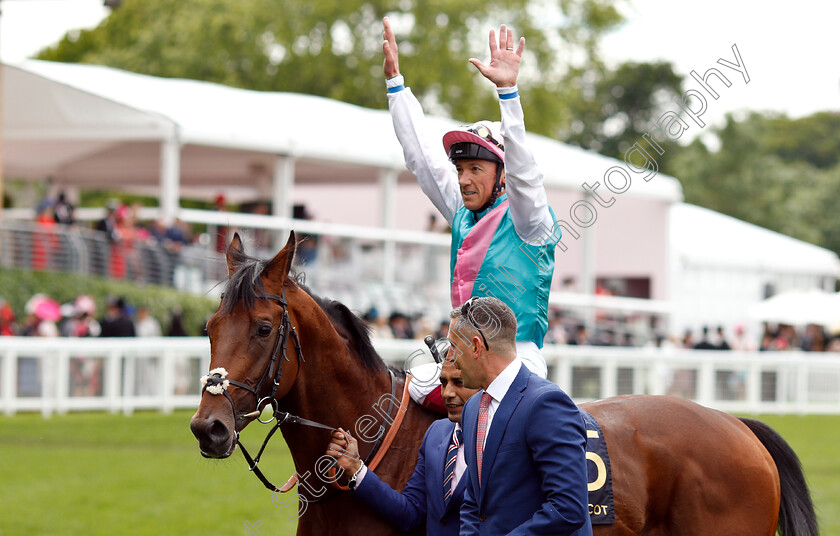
[101, 474]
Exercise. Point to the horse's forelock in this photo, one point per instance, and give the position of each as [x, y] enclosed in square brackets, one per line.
[244, 283]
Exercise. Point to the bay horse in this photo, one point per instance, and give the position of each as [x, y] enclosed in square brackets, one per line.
[678, 468]
[274, 343]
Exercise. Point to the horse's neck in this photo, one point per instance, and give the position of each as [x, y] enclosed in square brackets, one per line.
[334, 388]
[340, 514]
[354, 407]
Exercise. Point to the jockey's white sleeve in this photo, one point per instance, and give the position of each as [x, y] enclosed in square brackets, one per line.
[530, 355]
[527, 351]
[424, 154]
[524, 182]
[425, 379]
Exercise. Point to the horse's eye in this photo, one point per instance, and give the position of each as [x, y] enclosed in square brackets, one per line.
[264, 330]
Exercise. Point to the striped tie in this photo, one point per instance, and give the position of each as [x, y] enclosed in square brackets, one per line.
[449, 467]
[481, 434]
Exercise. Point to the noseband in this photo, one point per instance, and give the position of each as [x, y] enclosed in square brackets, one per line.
[216, 382]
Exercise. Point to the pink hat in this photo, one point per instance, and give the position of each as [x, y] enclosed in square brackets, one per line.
[85, 304]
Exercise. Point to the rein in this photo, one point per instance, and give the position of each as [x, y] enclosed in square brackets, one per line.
[216, 382]
[373, 463]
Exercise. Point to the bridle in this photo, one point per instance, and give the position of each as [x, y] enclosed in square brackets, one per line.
[216, 382]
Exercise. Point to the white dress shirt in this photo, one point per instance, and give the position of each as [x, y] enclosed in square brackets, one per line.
[497, 390]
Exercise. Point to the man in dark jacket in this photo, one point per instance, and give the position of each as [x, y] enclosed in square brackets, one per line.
[116, 322]
[435, 491]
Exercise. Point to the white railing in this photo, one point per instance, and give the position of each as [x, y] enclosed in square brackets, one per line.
[63, 374]
[122, 375]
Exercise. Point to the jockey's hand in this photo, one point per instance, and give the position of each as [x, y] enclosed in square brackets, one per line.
[389, 47]
[505, 57]
[345, 449]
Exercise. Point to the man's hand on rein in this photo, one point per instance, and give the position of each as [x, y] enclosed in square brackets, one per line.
[345, 449]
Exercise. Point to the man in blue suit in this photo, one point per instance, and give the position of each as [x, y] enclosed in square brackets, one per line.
[524, 438]
[435, 491]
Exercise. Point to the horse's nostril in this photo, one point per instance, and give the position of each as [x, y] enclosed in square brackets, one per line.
[218, 431]
[210, 429]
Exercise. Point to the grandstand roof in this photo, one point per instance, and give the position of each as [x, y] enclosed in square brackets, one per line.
[95, 126]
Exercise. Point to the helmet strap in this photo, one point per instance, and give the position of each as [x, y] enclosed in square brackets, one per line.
[497, 189]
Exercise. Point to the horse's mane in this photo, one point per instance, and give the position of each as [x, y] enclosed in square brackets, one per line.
[245, 283]
[344, 320]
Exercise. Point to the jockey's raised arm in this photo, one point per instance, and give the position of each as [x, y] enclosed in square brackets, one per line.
[487, 185]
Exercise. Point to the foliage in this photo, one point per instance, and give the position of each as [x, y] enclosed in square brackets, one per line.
[333, 49]
[767, 173]
[814, 139]
[20, 285]
[615, 107]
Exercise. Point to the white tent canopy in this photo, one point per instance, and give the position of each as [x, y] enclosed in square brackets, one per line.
[95, 126]
[720, 267]
[800, 307]
[701, 236]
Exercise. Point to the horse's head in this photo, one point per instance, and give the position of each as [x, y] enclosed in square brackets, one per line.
[247, 334]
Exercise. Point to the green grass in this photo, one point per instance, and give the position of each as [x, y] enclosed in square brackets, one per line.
[815, 438]
[96, 473]
[100, 474]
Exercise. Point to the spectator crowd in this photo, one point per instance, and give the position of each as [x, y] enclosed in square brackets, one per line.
[127, 248]
[567, 329]
[122, 258]
[45, 317]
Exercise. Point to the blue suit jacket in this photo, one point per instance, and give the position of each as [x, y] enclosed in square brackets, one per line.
[422, 497]
[533, 476]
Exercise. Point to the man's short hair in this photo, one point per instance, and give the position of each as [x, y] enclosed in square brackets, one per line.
[489, 317]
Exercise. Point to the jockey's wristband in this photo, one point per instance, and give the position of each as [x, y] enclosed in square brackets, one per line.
[395, 84]
[506, 93]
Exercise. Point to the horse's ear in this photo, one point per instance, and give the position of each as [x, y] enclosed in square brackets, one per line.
[234, 250]
[279, 267]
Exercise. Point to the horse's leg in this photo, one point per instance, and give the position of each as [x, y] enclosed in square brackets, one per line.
[732, 490]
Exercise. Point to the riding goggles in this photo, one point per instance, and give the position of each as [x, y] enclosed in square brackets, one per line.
[484, 133]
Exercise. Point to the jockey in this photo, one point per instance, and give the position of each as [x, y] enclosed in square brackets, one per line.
[503, 234]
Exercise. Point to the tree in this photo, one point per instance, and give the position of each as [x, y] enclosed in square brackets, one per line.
[615, 107]
[333, 49]
[766, 173]
[814, 139]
